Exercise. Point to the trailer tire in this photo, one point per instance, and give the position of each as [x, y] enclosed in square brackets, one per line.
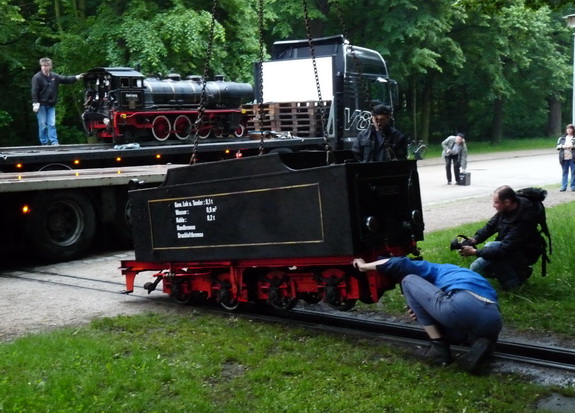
[62, 225]
[122, 225]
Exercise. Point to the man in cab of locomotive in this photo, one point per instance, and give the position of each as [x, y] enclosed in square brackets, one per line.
[380, 141]
[517, 246]
[454, 305]
[45, 85]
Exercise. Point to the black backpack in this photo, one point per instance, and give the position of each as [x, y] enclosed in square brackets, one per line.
[537, 196]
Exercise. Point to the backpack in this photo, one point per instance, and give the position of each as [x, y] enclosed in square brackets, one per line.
[537, 196]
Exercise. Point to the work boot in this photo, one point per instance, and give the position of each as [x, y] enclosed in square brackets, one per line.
[481, 348]
[437, 353]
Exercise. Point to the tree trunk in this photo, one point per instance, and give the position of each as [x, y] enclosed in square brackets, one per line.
[554, 127]
[497, 122]
[426, 109]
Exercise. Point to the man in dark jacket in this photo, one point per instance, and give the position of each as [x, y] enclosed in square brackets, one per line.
[518, 242]
[44, 98]
[380, 141]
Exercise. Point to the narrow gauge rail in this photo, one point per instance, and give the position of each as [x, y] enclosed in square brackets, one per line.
[543, 356]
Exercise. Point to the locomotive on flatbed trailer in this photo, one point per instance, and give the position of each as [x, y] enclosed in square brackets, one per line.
[122, 105]
[275, 228]
[119, 106]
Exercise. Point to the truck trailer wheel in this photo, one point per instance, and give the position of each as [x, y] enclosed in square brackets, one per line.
[61, 225]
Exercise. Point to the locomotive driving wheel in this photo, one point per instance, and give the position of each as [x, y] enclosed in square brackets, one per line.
[335, 293]
[225, 295]
[182, 127]
[278, 292]
[161, 128]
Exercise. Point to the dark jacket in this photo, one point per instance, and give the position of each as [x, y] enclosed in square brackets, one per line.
[390, 145]
[517, 230]
[45, 88]
[560, 143]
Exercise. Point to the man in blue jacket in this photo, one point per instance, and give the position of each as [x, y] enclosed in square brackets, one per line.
[453, 304]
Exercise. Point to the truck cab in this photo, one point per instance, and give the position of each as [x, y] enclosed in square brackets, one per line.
[350, 78]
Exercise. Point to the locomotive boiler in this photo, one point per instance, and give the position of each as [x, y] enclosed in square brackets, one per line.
[122, 105]
[275, 229]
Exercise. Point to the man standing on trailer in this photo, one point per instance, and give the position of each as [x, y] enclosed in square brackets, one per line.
[44, 98]
[381, 141]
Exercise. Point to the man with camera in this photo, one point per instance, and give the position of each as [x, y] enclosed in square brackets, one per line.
[380, 141]
[517, 245]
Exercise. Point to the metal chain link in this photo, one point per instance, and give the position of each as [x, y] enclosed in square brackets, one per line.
[320, 100]
[261, 115]
[202, 106]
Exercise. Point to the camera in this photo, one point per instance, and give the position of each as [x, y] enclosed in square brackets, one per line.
[459, 242]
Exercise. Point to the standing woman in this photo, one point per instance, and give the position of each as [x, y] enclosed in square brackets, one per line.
[565, 148]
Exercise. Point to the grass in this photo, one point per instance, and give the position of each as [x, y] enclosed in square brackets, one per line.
[200, 363]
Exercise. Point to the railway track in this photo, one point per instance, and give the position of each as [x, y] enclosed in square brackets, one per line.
[535, 355]
[551, 357]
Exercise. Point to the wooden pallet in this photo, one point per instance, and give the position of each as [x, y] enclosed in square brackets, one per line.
[302, 119]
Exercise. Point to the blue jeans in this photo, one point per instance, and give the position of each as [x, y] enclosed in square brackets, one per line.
[503, 270]
[459, 314]
[47, 125]
[567, 166]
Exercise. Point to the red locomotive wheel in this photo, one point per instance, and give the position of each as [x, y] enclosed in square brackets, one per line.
[182, 127]
[278, 291]
[161, 128]
[240, 131]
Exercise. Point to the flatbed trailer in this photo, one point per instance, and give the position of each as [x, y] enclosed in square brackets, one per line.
[58, 215]
[106, 155]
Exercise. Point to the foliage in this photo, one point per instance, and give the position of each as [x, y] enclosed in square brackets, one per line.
[487, 68]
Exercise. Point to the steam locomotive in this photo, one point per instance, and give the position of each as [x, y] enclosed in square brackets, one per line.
[122, 105]
[275, 229]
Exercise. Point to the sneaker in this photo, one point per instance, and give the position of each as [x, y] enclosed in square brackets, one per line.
[562, 190]
[481, 348]
[437, 353]
[449, 183]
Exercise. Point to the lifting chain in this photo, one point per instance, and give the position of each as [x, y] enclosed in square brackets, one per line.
[203, 96]
[356, 61]
[261, 114]
[329, 154]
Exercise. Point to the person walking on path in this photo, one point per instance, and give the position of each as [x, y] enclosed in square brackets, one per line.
[454, 305]
[566, 157]
[45, 85]
[454, 152]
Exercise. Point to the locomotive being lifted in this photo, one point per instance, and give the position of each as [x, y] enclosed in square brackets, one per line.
[275, 229]
[122, 105]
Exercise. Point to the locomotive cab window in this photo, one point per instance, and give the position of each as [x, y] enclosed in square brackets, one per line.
[125, 82]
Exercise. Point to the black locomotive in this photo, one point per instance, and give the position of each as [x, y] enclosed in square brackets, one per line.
[122, 105]
[275, 229]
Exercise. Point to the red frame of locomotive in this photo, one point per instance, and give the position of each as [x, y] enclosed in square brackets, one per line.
[284, 281]
[163, 124]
